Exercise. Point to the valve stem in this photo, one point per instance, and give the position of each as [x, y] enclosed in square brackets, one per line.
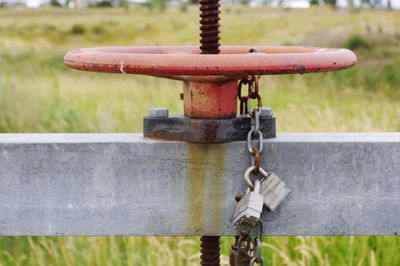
[210, 251]
[209, 26]
[209, 44]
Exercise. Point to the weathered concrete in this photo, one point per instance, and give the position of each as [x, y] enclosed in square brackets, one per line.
[122, 184]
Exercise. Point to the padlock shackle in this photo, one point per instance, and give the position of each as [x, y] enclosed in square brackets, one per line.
[249, 170]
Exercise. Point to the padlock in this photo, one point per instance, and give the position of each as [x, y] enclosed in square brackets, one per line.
[249, 208]
[274, 191]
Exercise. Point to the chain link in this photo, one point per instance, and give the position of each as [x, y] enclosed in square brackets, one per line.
[255, 130]
[252, 94]
[255, 160]
[247, 249]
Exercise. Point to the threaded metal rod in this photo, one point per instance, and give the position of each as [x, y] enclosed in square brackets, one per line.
[209, 44]
[210, 251]
[209, 26]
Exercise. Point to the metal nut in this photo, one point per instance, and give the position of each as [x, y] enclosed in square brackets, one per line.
[158, 112]
[266, 112]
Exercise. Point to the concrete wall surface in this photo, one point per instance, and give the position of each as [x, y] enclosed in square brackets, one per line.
[122, 184]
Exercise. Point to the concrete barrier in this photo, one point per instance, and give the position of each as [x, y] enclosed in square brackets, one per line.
[122, 184]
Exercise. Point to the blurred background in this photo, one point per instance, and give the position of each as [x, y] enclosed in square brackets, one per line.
[39, 94]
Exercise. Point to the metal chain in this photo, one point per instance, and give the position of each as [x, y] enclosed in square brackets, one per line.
[247, 248]
[252, 94]
[257, 256]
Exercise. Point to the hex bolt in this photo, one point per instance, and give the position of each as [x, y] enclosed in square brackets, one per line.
[266, 112]
[158, 112]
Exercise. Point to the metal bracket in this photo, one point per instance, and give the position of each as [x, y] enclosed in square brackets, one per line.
[197, 130]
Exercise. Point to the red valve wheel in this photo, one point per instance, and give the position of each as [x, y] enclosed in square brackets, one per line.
[210, 80]
[184, 62]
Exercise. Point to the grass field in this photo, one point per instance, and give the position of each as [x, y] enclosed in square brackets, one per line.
[38, 94]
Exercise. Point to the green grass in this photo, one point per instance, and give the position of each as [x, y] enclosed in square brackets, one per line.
[39, 94]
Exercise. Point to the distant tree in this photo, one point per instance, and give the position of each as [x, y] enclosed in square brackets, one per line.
[55, 3]
[331, 2]
[160, 4]
[125, 5]
[104, 3]
[183, 5]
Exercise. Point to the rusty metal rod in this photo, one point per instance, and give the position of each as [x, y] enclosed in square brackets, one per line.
[209, 26]
[209, 44]
[210, 255]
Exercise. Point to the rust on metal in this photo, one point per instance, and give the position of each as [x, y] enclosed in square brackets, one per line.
[210, 250]
[256, 154]
[253, 93]
[239, 251]
[242, 99]
[253, 88]
[210, 80]
[238, 197]
[210, 99]
[205, 130]
[209, 26]
[187, 62]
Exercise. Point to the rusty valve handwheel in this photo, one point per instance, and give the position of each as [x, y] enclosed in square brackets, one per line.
[210, 80]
